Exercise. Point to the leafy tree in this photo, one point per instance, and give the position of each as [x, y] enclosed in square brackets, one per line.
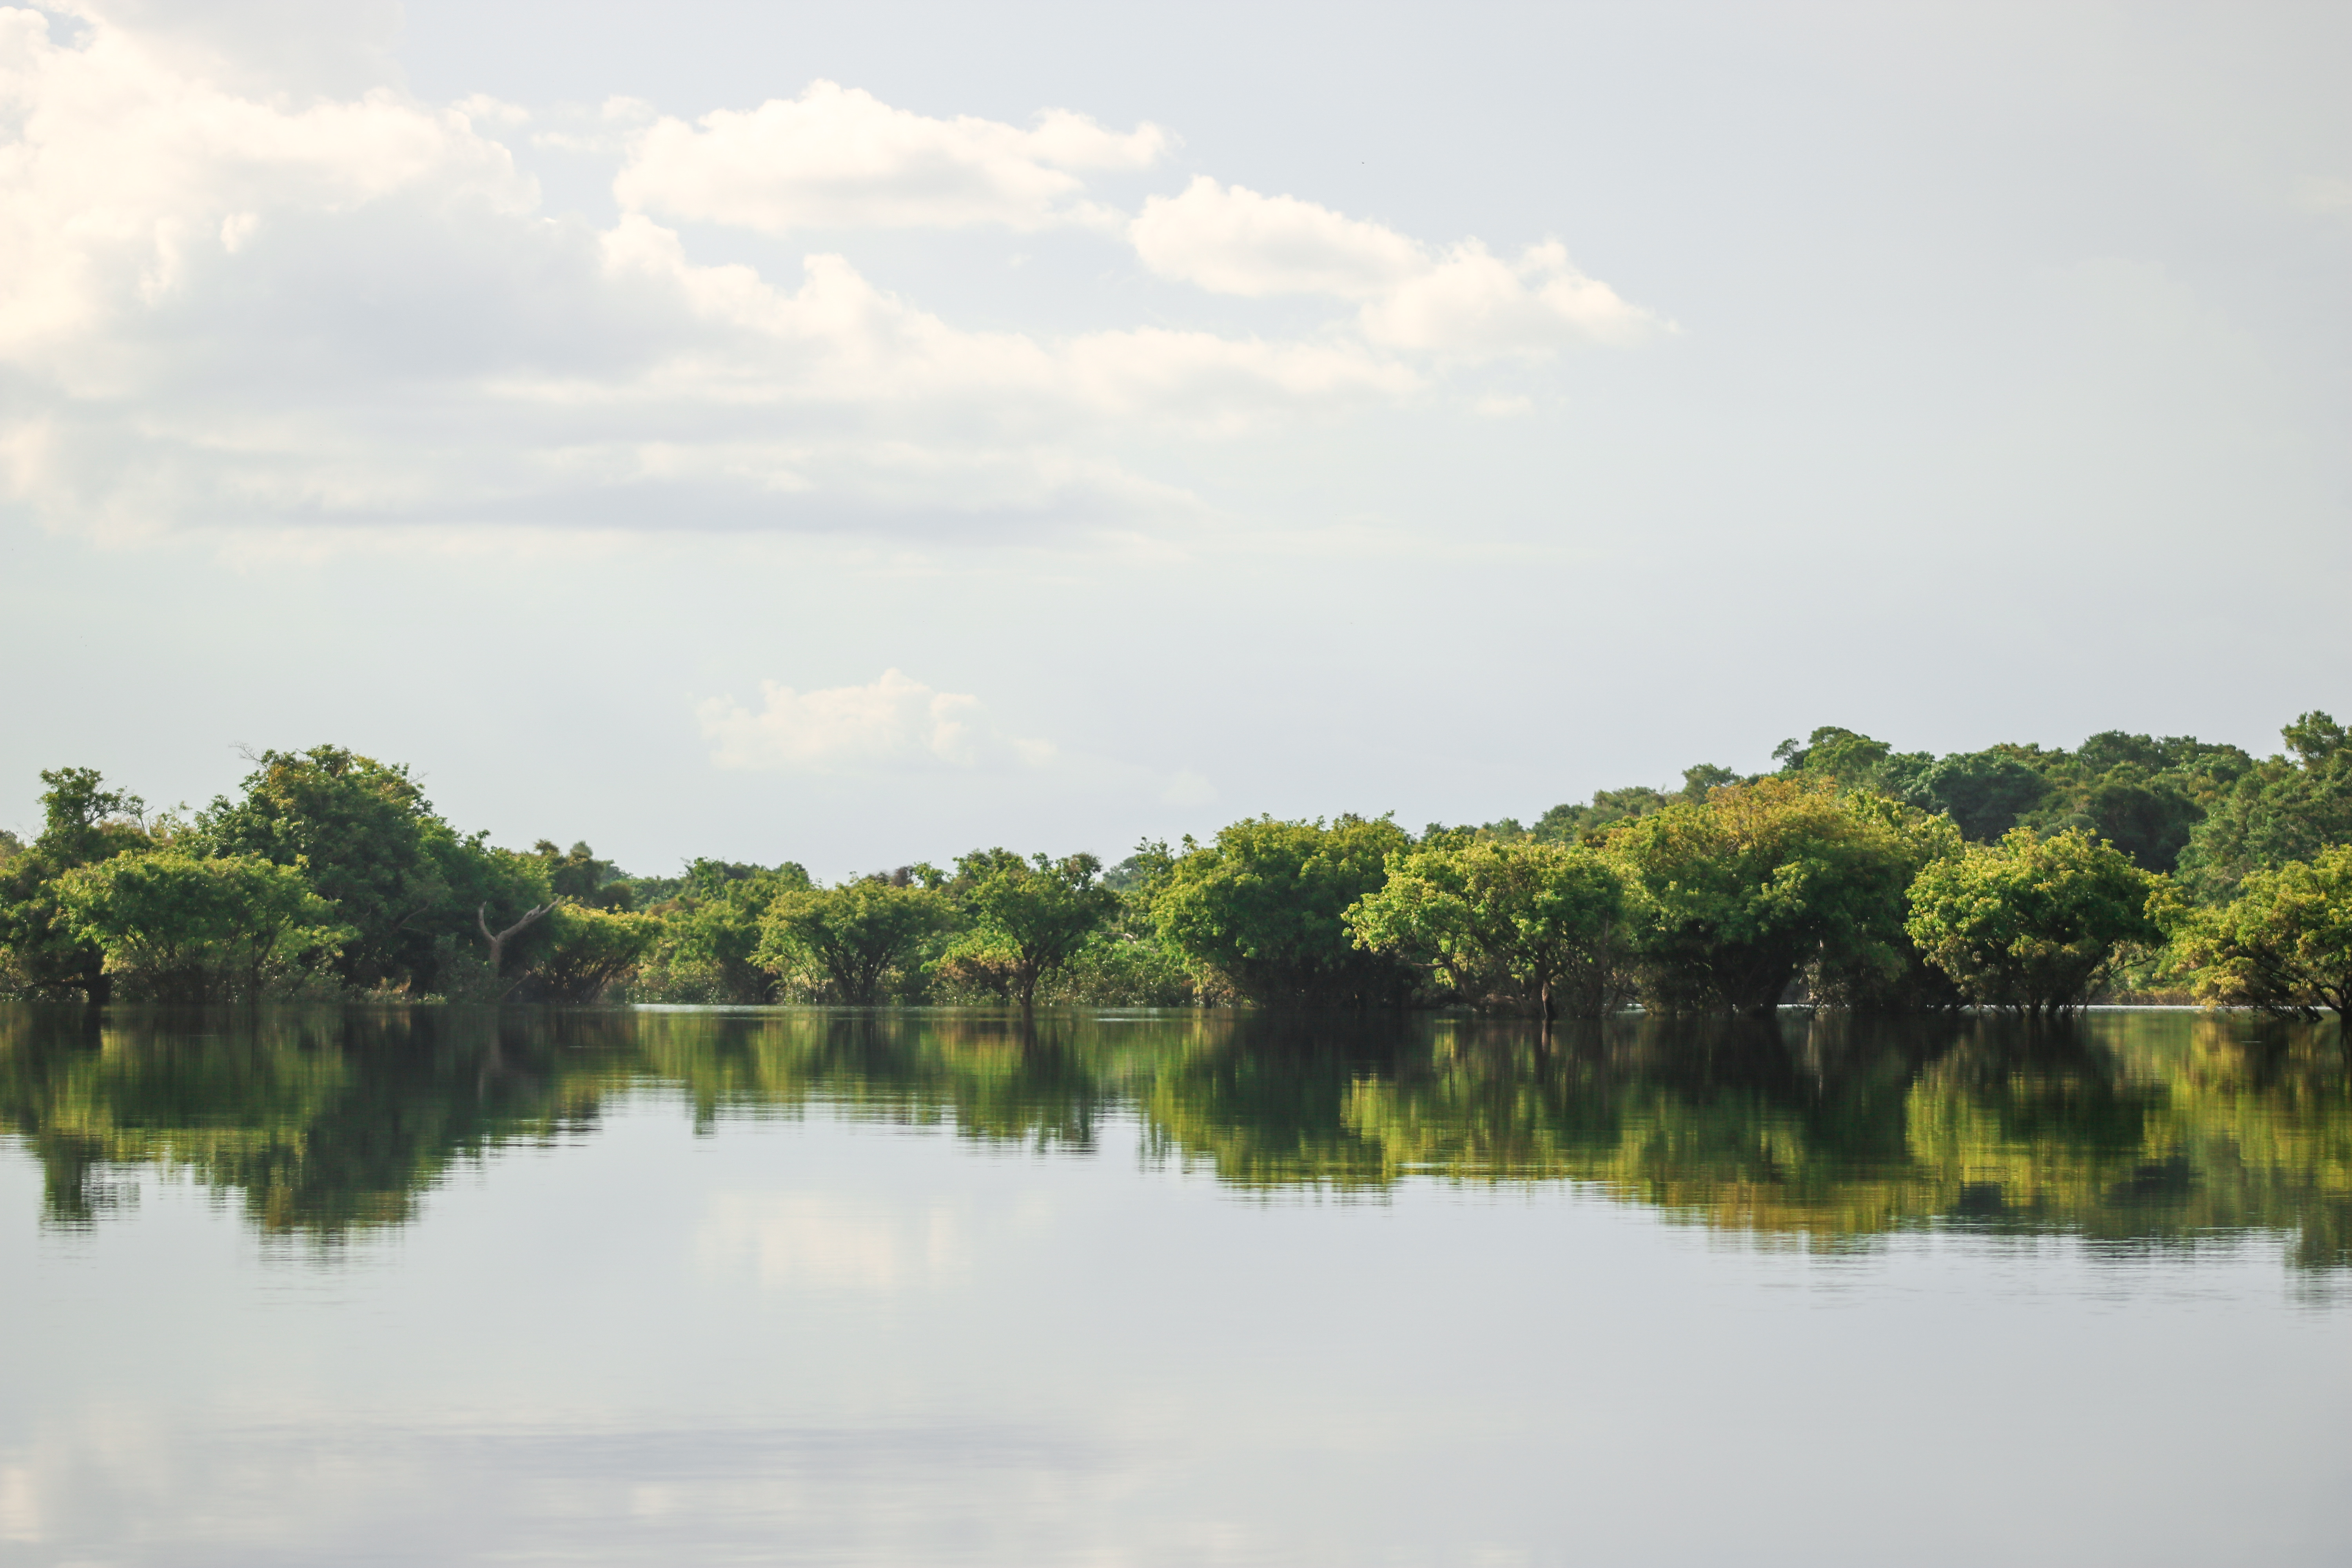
[578, 950]
[1035, 915]
[1547, 918]
[851, 935]
[2033, 923]
[371, 843]
[579, 878]
[1736, 896]
[1572, 823]
[1893, 976]
[42, 955]
[1847, 758]
[2283, 944]
[2277, 810]
[710, 941]
[185, 927]
[1985, 792]
[1262, 908]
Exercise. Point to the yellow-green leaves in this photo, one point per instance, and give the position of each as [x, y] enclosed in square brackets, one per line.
[181, 927]
[2033, 923]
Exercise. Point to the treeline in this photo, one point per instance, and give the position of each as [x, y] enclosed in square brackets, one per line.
[1852, 876]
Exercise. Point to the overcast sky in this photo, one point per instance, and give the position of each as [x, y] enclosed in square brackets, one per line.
[858, 433]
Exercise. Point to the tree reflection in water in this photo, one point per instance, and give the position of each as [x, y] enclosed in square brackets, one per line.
[2159, 1129]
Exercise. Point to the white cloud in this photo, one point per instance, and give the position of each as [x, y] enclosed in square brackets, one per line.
[1230, 240]
[265, 311]
[890, 723]
[1474, 304]
[837, 157]
[1465, 304]
[124, 166]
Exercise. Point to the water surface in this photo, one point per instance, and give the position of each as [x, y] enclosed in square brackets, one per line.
[801, 1286]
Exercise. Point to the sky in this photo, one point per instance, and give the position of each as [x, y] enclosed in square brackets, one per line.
[855, 435]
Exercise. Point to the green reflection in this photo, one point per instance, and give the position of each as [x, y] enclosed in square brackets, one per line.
[2152, 1128]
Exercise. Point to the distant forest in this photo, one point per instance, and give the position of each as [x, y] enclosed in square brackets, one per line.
[1852, 876]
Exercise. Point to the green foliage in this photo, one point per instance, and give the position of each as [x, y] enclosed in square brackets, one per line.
[1545, 920]
[1262, 910]
[1735, 897]
[1030, 917]
[178, 927]
[370, 843]
[578, 950]
[2283, 944]
[42, 955]
[847, 938]
[2032, 923]
[2281, 810]
[708, 949]
[578, 878]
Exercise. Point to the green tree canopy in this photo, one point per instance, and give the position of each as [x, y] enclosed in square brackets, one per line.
[2284, 809]
[405, 882]
[1264, 907]
[42, 952]
[1547, 918]
[1736, 896]
[1037, 913]
[192, 929]
[2283, 944]
[2033, 923]
[850, 936]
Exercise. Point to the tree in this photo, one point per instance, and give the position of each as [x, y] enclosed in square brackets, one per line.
[370, 843]
[850, 935]
[1735, 897]
[1984, 792]
[578, 950]
[1037, 913]
[2281, 810]
[1546, 918]
[710, 941]
[188, 928]
[1264, 906]
[2283, 944]
[41, 953]
[2033, 923]
[577, 877]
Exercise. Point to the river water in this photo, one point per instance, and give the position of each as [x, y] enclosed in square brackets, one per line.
[912, 1287]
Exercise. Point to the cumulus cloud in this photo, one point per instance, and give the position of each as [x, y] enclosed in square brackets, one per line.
[892, 722]
[837, 157]
[1466, 303]
[125, 168]
[1232, 240]
[229, 304]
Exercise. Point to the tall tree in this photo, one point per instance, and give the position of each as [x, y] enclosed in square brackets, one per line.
[2283, 944]
[1547, 918]
[1038, 912]
[1737, 896]
[2032, 923]
[185, 927]
[852, 935]
[42, 953]
[1264, 907]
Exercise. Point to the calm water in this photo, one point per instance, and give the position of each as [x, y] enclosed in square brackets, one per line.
[905, 1289]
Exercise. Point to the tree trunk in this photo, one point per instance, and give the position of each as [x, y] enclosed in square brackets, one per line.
[498, 939]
